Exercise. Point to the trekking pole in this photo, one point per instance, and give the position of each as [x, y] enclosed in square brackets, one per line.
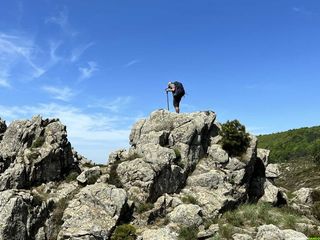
[168, 101]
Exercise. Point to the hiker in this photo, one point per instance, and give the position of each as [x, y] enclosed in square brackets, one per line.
[177, 92]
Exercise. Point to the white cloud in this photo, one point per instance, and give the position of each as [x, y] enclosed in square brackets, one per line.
[133, 62]
[114, 106]
[4, 79]
[18, 51]
[54, 58]
[77, 52]
[64, 93]
[301, 10]
[62, 20]
[86, 72]
[95, 134]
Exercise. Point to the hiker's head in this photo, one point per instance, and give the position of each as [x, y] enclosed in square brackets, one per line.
[169, 83]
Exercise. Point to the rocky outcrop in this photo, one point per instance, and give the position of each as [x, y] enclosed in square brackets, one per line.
[159, 234]
[164, 149]
[187, 215]
[271, 232]
[94, 212]
[3, 128]
[272, 171]
[263, 155]
[175, 176]
[21, 214]
[89, 176]
[32, 152]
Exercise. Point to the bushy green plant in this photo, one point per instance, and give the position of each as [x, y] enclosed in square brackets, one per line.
[177, 153]
[114, 178]
[235, 140]
[178, 158]
[88, 165]
[144, 207]
[72, 176]
[38, 142]
[189, 199]
[133, 157]
[226, 231]
[188, 233]
[124, 232]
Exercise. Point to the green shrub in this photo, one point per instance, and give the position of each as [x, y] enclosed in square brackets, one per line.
[188, 199]
[177, 153]
[88, 165]
[178, 158]
[72, 176]
[188, 233]
[226, 231]
[114, 178]
[124, 232]
[144, 207]
[56, 218]
[235, 140]
[38, 142]
[33, 154]
[166, 220]
[133, 156]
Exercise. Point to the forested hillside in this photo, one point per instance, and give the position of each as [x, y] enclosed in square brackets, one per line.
[293, 144]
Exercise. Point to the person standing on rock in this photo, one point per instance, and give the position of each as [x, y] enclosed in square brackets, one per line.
[177, 92]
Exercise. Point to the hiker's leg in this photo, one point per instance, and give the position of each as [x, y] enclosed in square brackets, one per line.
[177, 103]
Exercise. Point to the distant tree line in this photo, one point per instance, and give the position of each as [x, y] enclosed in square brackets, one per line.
[292, 144]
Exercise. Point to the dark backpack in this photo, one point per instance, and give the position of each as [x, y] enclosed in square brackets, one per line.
[179, 89]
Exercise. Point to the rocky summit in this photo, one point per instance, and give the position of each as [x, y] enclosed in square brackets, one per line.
[174, 182]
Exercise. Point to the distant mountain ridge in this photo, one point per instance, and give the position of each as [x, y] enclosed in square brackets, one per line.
[292, 144]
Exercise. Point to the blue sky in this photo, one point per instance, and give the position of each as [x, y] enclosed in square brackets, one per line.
[101, 65]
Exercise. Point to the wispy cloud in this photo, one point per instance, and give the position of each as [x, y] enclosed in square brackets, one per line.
[62, 93]
[4, 79]
[18, 51]
[301, 10]
[62, 20]
[86, 72]
[131, 63]
[77, 52]
[115, 105]
[54, 45]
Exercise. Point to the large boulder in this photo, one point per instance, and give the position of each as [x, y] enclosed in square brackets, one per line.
[154, 173]
[273, 194]
[214, 187]
[272, 171]
[34, 151]
[94, 212]
[303, 196]
[159, 234]
[271, 232]
[21, 214]
[187, 215]
[89, 176]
